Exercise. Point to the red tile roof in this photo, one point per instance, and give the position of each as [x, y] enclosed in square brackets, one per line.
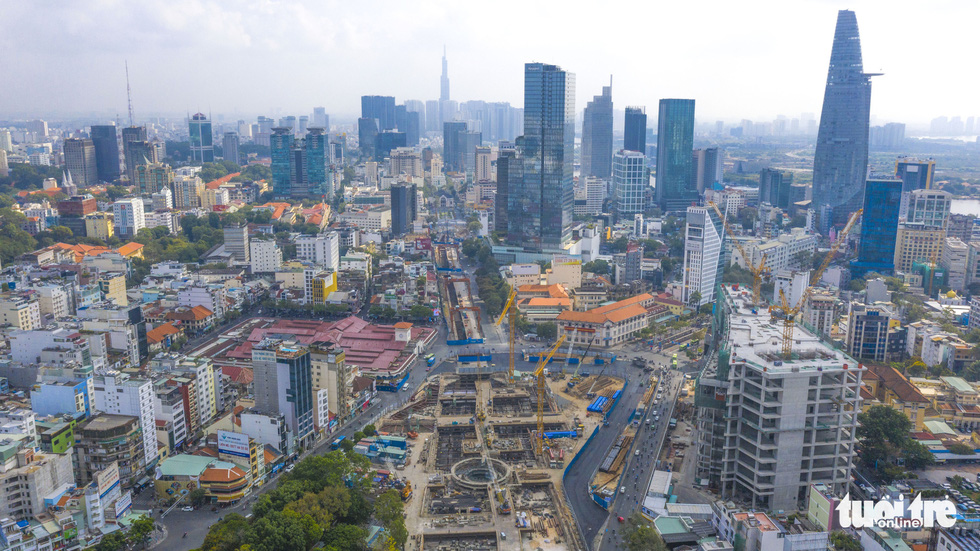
[159, 333]
[215, 184]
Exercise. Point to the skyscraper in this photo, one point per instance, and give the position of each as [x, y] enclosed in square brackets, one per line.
[597, 127]
[106, 151]
[774, 187]
[545, 196]
[381, 108]
[453, 146]
[840, 162]
[675, 155]
[879, 224]
[284, 384]
[629, 183]
[403, 208]
[201, 138]
[281, 141]
[80, 161]
[367, 136]
[509, 170]
[635, 131]
[320, 118]
[444, 80]
[702, 256]
[132, 134]
[915, 173]
[229, 147]
[707, 168]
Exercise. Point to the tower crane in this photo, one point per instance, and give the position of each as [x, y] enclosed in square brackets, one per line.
[787, 314]
[542, 387]
[510, 310]
[757, 271]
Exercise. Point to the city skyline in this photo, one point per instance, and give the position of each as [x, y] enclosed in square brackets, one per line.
[335, 51]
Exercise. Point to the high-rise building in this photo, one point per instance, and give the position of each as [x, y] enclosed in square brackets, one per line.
[629, 183]
[367, 136]
[283, 383]
[544, 198]
[675, 155]
[702, 256]
[774, 187]
[403, 208]
[322, 249]
[840, 162]
[136, 149]
[889, 137]
[915, 174]
[708, 169]
[303, 124]
[128, 216]
[4, 167]
[407, 161]
[917, 243]
[510, 169]
[870, 335]
[80, 161]
[635, 131]
[299, 166]
[153, 177]
[265, 256]
[229, 147]
[236, 242]
[879, 224]
[471, 141]
[769, 428]
[407, 121]
[281, 142]
[321, 119]
[453, 146]
[380, 108]
[387, 141]
[120, 394]
[633, 265]
[201, 138]
[929, 207]
[444, 79]
[597, 129]
[6, 143]
[106, 151]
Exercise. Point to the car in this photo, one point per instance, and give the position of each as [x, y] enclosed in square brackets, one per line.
[637, 453]
[289, 468]
[620, 519]
[622, 489]
[187, 508]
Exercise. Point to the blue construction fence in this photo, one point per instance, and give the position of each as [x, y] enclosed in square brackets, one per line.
[391, 385]
[476, 358]
[582, 449]
[617, 396]
[462, 342]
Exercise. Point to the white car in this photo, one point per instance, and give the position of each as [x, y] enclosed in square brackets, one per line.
[187, 509]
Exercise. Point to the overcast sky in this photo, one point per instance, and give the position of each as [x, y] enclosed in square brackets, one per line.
[738, 59]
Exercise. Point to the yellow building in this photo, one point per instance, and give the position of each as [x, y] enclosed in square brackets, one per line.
[915, 243]
[319, 286]
[99, 225]
[223, 481]
[113, 287]
[891, 388]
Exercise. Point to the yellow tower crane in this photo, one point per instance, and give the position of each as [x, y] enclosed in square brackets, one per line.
[510, 310]
[757, 271]
[787, 314]
[542, 387]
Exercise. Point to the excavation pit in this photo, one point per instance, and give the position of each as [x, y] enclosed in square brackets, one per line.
[476, 473]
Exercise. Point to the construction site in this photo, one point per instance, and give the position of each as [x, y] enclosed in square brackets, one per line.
[489, 452]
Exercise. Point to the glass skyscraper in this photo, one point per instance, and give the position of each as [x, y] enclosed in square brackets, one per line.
[597, 144]
[453, 151]
[629, 183]
[201, 138]
[280, 142]
[545, 194]
[635, 131]
[675, 155]
[381, 108]
[879, 225]
[840, 162]
[299, 167]
[106, 152]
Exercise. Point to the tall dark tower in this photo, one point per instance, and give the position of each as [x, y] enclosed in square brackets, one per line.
[635, 132]
[840, 163]
[444, 81]
[597, 125]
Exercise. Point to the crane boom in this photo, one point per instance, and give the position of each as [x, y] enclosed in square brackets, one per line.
[510, 309]
[756, 271]
[542, 386]
[787, 313]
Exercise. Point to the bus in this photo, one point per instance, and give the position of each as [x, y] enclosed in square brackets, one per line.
[673, 361]
[335, 445]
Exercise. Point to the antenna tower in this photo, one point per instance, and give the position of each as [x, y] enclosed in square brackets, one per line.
[129, 96]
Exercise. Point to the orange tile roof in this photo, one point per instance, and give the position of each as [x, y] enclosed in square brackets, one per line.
[403, 325]
[129, 249]
[277, 209]
[894, 381]
[546, 301]
[158, 334]
[614, 316]
[554, 291]
[625, 302]
[215, 184]
[215, 474]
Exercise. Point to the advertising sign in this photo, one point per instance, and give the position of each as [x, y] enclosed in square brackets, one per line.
[107, 478]
[233, 443]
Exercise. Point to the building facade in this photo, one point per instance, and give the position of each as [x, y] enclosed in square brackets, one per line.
[675, 155]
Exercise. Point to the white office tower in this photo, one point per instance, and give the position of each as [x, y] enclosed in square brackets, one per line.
[702, 254]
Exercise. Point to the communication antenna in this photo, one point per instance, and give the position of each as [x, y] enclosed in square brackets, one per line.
[129, 95]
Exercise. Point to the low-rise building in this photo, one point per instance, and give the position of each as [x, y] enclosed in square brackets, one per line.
[892, 389]
[223, 482]
[607, 325]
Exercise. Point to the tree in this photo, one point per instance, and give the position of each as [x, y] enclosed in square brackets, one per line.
[960, 448]
[971, 372]
[547, 330]
[370, 430]
[474, 227]
[345, 537]
[640, 536]
[197, 497]
[113, 541]
[747, 217]
[886, 444]
[140, 530]
[842, 541]
[598, 267]
[695, 298]
[388, 509]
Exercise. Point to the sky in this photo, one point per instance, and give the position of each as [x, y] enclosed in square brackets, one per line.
[751, 59]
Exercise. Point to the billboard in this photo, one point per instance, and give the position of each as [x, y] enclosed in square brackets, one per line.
[107, 478]
[233, 443]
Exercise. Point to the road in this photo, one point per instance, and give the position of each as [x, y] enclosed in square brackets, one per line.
[649, 443]
[590, 516]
